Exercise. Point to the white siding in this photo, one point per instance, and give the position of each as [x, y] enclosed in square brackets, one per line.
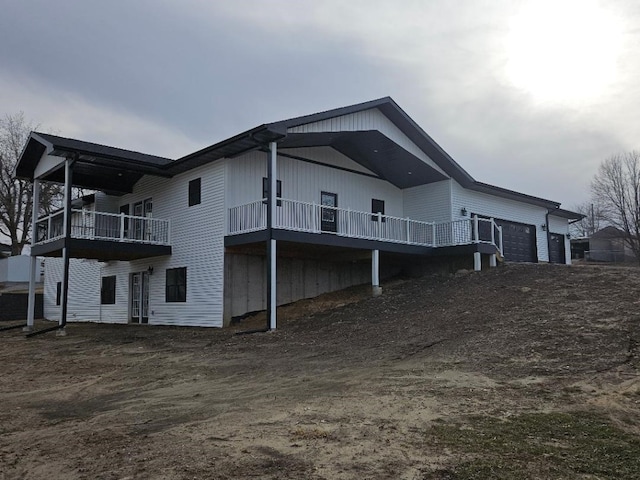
[428, 203]
[106, 203]
[84, 289]
[372, 119]
[502, 208]
[304, 181]
[197, 239]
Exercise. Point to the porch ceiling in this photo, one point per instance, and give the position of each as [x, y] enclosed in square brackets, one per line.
[96, 167]
[374, 151]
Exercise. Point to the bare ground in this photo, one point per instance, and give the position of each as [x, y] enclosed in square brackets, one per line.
[348, 386]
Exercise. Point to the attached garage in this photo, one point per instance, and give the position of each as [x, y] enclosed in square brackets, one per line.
[518, 241]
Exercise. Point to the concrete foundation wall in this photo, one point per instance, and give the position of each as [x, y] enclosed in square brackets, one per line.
[245, 287]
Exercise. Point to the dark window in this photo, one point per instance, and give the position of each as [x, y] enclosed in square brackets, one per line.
[58, 292]
[108, 290]
[194, 192]
[377, 206]
[176, 285]
[265, 190]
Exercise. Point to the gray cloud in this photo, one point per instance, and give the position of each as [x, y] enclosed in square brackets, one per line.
[196, 72]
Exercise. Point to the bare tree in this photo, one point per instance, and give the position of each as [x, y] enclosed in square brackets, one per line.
[15, 194]
[616, 187]
[594, 219]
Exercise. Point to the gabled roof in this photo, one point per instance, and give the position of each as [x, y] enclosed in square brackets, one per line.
[96, 166]
[609, 232]
[396, 165]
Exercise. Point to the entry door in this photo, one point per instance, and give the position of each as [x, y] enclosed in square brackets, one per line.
[141, 228]
[140, 297]
[556, 248]
[329, 218]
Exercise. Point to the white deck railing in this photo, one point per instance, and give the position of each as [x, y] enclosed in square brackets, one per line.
[92, 225]
[314, 218]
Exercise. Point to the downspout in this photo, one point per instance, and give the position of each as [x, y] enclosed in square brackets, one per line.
[546, 221]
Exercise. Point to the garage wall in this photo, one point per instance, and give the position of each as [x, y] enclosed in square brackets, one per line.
[505, 209]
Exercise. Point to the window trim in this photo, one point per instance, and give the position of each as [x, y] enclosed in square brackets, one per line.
[195, 191]
[108, 292]
[265, 191]
[377, 208]
[173, 292]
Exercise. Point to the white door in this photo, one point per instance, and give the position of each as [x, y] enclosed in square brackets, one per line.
[140, 297]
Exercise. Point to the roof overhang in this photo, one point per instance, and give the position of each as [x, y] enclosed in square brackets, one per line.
[374, 151]
[95, 167]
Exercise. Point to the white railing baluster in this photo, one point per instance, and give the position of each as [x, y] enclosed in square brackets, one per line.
[307, 217]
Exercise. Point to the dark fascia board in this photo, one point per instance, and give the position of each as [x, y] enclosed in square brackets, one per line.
[416, 134]
[246, 141]
[39, 143]
[403, 121]
[568, 214]
[64, 144]
[512, 195]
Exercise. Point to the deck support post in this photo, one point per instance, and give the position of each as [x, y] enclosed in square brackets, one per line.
[35, 209]
[376, 289]
[271, 242]
[492, 260]
[68, 181]
[477, 261]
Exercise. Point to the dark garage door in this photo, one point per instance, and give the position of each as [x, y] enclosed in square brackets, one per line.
[556, 248]
[518, 241]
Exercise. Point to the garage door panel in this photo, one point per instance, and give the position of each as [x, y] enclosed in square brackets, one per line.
[518, 241]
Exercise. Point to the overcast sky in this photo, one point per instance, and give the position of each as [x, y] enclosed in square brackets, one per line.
[529, 96]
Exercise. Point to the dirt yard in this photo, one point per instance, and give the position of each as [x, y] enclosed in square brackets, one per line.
[517, 372]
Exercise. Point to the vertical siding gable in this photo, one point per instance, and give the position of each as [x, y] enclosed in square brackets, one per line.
[372, 119]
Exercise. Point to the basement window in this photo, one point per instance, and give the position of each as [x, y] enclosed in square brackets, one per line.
[377, 206]
[194, 192]
[265, 191]
[108, 290]
[176, 285]
[58, 292]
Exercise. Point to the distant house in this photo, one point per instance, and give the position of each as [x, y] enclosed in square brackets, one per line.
[284, 211]
[609, 245]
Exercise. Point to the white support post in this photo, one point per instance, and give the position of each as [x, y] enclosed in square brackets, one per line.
[273, 282]
[376, 289]
[477, 261]
[493, 232]
[31, 305]
[476, 235]
[271, 245]
[408, 231]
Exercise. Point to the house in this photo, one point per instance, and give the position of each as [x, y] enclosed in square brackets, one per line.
[609, 244]
[360, 191]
